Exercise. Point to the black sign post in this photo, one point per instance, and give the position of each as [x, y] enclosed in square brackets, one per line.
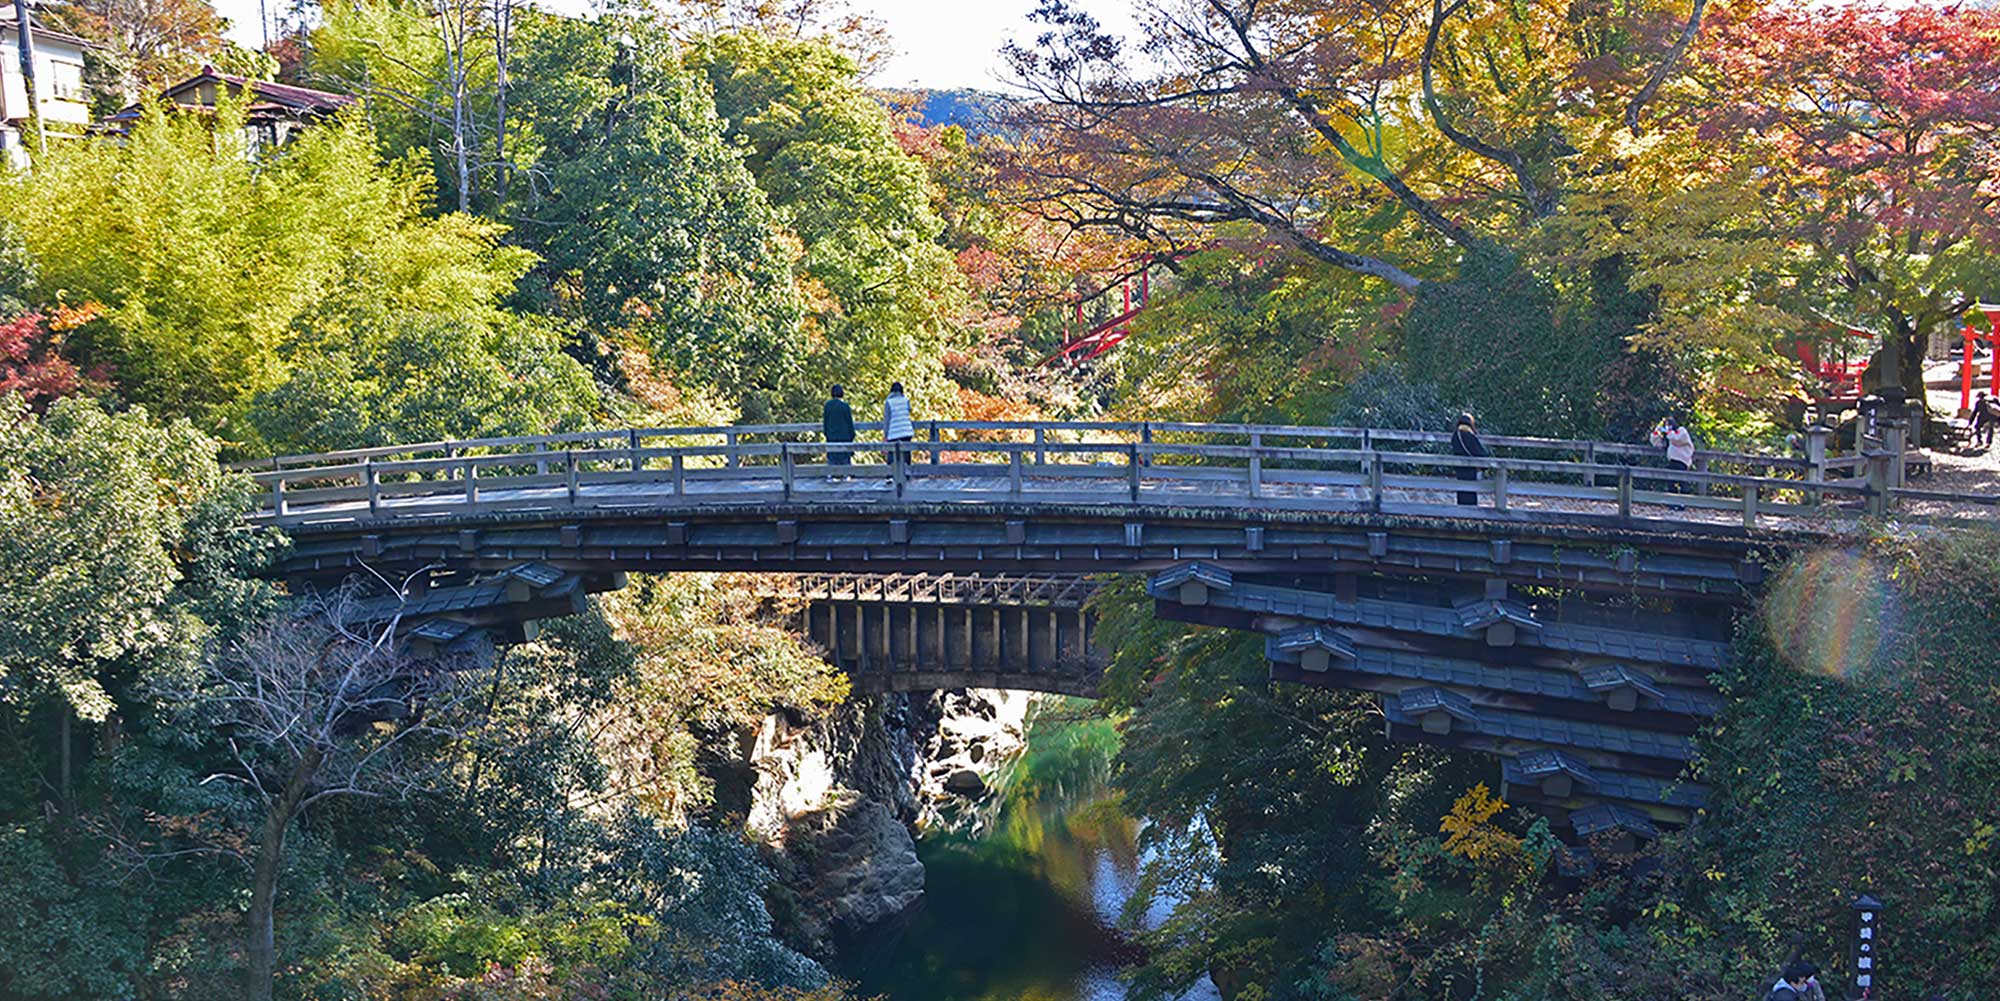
[1863, 948]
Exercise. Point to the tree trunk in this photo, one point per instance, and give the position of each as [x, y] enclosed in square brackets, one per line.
[261, 978]
[459, 127]
[503, 26]
[68, 796]
[1899, 363]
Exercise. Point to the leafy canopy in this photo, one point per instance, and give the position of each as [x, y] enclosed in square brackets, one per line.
[95, 509]
[207, 263]
[882, 295]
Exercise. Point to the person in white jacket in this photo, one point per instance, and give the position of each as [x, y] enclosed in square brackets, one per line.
[896, 424]
[1678, 441]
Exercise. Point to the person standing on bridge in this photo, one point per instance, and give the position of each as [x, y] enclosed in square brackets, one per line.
[896, 425]
[1678, 441]
[1465, 441]
[836, 423]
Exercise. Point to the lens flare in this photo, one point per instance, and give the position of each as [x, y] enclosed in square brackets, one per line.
[1832, 612]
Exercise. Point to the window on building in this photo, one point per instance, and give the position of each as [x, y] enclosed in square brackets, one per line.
[65, 81]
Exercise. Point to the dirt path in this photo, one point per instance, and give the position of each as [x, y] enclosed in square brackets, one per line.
[1964, 469]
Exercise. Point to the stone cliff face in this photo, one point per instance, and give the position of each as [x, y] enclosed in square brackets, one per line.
[837, 799]
[978, 734]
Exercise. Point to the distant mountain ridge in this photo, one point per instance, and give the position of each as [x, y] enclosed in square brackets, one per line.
[978, 112]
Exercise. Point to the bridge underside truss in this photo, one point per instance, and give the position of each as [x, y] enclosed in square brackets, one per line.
[1591, 709]
[1590, 704]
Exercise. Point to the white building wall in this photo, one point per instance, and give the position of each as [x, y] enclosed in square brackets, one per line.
[59, 74]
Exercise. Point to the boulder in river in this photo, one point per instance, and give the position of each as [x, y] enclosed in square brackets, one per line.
[965, 782]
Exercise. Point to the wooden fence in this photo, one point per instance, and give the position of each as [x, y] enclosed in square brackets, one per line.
[1154, 464]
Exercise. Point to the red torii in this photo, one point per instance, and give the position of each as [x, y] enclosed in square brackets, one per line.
[1972, 337]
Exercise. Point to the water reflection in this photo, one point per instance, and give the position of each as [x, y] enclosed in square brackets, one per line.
[1029, 911]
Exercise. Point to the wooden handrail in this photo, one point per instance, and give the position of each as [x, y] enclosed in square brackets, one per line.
[1334, 476]
[1143, 429]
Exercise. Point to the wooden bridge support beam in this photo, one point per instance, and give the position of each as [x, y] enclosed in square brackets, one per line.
[896, 645]
[1044, 638]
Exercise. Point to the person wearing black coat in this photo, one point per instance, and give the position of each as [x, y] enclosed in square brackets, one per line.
[1465, 441]
[836, 421]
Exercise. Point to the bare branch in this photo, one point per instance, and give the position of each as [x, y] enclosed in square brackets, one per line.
[1540, 202]
[1665, 68]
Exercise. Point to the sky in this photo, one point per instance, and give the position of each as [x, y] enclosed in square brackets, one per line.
[939, 43]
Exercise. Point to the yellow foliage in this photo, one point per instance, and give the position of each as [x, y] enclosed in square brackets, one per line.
[1470, 830]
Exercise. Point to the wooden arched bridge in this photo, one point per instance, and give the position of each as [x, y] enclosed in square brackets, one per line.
[1566, 622]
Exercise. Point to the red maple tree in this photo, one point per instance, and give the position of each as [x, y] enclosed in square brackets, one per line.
[31, 361]
[1875, 130]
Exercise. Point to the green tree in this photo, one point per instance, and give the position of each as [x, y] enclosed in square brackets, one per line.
[59, 940]
[210, 266]
[1270, 341]
[95, 511]
[882, 295]
[647, 223]
[701, 888]
[431, 72]
[1259, 800]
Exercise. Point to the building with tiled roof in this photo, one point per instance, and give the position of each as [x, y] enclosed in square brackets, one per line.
[276, 110]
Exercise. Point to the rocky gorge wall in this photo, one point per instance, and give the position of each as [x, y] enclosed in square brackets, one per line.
[839, 800]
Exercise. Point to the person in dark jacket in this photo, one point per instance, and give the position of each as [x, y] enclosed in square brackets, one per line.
[836, 421]
[1465, 441]
[1795, 984]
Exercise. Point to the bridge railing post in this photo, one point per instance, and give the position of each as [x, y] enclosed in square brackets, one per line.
[1256, 465]
[680, 474]
[1014, 474]
[1816, 439]
[1132, 463]
[1750, 505]
[898, 468]
[374, 482]
[632, 448]
[729, 445]
[935, 453]
[569, 474]
[278, 496]
[1041, 442]
[1500, 488]
[471, 482]
[1895, 436]
[1145, 442]
[785, 467]
[1374, 481]
[1625, 492]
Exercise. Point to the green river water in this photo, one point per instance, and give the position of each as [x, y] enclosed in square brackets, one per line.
[1030, 911]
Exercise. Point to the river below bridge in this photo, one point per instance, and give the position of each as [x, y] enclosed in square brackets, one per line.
[1031, 910]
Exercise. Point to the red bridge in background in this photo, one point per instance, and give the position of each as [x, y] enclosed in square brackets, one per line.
[1833, 361]
[1102, 337]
